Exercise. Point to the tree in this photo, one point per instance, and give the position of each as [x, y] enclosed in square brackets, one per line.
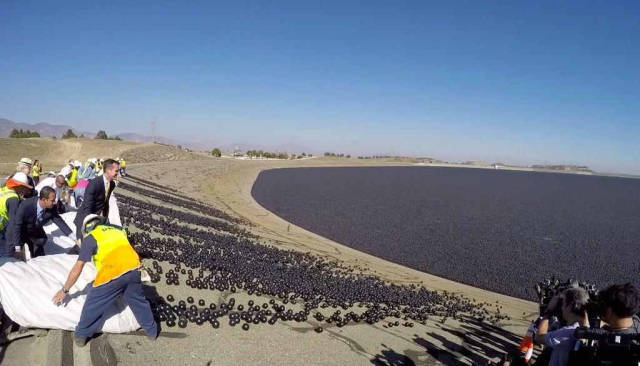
[101, 135]
[69, 135]
[82, 136]
[216, 152]
[23, 133]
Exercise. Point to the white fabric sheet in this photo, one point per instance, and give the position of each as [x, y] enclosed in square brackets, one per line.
[27, 288]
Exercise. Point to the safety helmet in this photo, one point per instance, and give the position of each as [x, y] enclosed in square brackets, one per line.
[65, 171]
[90, 222]
[26, 161]
[19, 179]
[77, 163]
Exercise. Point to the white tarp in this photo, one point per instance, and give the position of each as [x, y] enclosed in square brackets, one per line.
[27, 288]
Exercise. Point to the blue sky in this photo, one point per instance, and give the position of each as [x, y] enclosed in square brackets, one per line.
[520, 82]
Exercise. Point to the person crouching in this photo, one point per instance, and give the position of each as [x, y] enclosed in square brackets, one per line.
[117, 266]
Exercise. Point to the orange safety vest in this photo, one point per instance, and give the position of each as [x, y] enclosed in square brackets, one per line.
[115, 256]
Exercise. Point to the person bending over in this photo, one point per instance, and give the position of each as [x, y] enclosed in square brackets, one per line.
[32, 215]
[117, 273]
[10, 196]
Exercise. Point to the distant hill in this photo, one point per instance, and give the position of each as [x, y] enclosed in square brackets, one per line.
[48, 129]
[54, 153]
[129, 136]
[44, 129]
[51, 130]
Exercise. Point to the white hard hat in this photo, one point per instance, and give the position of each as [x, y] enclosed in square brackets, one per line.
[26, 161]
[65, 170]
[77, 163]
[18, 179]
[90, 222]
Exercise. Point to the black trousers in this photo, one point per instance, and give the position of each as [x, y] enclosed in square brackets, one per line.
[36, 246]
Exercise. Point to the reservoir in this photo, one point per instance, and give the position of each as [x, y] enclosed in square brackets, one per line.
[495, 229]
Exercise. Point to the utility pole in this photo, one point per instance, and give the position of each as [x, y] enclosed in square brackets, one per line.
[154, 128]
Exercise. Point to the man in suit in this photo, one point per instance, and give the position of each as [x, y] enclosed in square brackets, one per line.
[32, 215]
[97, 194]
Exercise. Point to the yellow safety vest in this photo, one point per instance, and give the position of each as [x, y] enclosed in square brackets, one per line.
[73, 178]
[35, 171]
[123, 163]
[5, 194]
[115, 256]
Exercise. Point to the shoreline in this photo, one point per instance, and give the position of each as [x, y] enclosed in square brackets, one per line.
[233, 192]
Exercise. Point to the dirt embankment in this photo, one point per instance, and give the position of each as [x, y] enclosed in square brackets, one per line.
[53, 153]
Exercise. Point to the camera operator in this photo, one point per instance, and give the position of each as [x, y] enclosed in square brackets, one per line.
[618, 306]
[570, 307]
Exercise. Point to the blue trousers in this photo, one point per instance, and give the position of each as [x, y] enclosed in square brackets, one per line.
[100, 298]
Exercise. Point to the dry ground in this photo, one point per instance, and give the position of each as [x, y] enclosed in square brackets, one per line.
[227, 184]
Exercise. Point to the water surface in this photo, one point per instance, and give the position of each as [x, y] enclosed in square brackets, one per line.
[498, 230]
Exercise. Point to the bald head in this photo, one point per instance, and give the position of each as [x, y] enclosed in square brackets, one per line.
[60, 181]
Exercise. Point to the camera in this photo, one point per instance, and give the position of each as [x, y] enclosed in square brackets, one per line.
[549, 288]
[605, 348]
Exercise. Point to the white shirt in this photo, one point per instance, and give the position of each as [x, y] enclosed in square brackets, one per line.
[49, 182]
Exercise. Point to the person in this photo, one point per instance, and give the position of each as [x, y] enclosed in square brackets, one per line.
[10, 194]
[571, 304]
[117, 273]
[99, 167]
[89, 169]
[24, 166]
[619, 304]
[58, 184]
[32, 215]
[123, 168]
[71, 173]
[97, 194]
[35, 172]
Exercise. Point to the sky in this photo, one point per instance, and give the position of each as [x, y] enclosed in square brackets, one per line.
[521, 82]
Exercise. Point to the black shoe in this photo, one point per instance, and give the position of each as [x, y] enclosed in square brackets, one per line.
[80, 341]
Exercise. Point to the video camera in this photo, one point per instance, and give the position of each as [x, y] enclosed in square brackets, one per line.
[549, 288]
[604, 348]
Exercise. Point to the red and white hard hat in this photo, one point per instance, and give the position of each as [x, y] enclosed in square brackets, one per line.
[19, 179]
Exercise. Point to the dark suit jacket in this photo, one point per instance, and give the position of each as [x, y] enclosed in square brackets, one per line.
[94, 202]
[24, 225]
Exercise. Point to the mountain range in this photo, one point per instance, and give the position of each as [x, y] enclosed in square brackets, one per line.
[51, 130]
